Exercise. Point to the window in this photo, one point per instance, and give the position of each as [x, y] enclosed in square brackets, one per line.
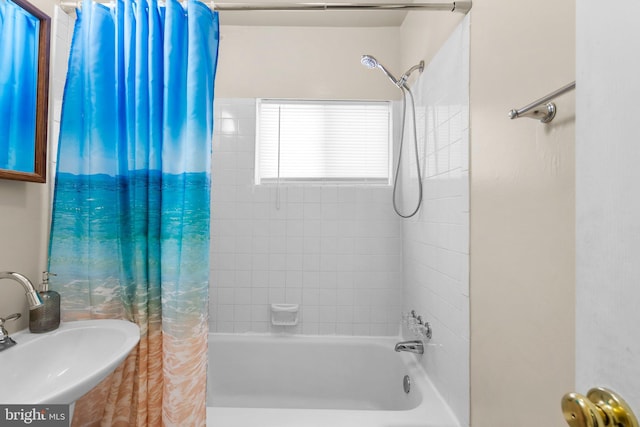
[323, 141]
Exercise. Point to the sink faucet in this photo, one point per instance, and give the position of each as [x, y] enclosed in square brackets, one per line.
[33, 298]
[414, 346]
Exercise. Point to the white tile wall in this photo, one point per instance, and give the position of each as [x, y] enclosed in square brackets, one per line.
[333, 249]
[62, 33]
[436, 240]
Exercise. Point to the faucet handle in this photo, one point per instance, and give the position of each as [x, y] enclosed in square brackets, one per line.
[426, 330]
[4, 335]
[14, 316]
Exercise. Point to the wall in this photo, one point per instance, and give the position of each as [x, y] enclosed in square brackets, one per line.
[25, 206]
[607, 204]
[423, 33]
[24, 209]
[62, 33]
[313, 62]
[47, 6]
[335, 250]
[436, 240]
[522, 214]
[338, 254]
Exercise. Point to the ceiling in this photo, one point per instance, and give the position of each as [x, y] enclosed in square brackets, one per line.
[312, 18]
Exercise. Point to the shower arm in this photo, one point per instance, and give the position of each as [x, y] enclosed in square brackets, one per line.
[405, 76]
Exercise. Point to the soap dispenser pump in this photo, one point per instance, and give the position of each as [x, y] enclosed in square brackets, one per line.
[45, 318]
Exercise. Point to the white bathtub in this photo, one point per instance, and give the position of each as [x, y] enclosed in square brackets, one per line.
[316, 381]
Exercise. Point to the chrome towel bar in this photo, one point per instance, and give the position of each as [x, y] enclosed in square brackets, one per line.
[542, 109]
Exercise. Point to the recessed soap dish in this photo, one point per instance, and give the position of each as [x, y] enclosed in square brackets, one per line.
[284, 314]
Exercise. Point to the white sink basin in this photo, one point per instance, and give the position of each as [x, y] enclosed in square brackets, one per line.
[62, 365]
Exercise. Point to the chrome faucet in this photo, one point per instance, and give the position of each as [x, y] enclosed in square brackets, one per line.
[33, 298]
[414, 346]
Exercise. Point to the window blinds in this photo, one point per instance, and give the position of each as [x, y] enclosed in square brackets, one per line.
[323, 141]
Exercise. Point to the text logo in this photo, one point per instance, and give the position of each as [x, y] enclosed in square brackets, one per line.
[34, 415]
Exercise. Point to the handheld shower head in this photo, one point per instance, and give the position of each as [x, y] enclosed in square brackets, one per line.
[371, 62]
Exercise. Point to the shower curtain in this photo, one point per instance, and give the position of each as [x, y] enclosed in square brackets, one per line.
[130, 226]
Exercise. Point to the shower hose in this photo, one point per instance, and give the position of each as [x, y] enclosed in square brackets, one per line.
[405, 89]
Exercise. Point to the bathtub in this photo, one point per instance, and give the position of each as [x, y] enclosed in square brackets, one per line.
[318, 381]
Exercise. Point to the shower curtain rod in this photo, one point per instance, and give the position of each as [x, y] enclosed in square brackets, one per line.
[456, 6]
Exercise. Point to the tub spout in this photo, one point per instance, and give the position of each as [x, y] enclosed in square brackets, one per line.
[32, 296]
[415, 346]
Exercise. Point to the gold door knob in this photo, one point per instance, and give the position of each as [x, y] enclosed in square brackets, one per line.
[600, 408]
[579, 411]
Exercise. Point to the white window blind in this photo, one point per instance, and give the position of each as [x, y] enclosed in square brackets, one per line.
[323, 141]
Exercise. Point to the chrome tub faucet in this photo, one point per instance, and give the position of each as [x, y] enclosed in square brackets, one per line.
[414, 346]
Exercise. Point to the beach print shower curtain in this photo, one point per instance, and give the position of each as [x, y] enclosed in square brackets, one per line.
[130, 226]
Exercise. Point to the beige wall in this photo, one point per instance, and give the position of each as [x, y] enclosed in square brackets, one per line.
[45, 5]
[24, 210]
[312, 62]
[423, 33]
[522, 214]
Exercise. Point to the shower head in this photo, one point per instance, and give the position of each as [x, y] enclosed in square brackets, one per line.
[371, 62]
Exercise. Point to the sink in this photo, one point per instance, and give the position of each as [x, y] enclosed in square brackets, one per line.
[62, 365]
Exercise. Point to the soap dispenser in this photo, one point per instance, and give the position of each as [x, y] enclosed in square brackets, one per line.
[45, 318]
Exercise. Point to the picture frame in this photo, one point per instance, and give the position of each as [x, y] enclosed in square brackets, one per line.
[37, 156]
